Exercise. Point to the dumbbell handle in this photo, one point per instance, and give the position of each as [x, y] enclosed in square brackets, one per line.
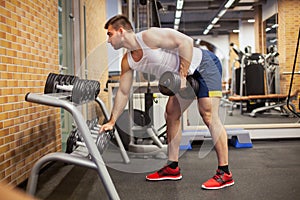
[96, 128]
[68, 88]
[94, 132]
[82, 144]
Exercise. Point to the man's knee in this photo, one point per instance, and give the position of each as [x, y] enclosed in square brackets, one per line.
[206, 117]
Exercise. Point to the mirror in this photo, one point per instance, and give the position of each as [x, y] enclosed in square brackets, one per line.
[270, 27]
[270, 113]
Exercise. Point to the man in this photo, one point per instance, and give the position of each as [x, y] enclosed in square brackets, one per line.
[155, 51]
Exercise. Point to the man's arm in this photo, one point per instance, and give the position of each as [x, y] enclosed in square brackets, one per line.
[171, 39]
[122, 95]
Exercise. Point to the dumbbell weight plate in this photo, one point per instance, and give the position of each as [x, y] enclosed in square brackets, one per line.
[73, 80]
[191, 90]
[67, 79]
[71, 141]
[85, 89]
[169, 83]
[59, 81]
[91, 92]
[70, 79]
[50, 83]
[76, 93]
[96, 88]
[103, 140]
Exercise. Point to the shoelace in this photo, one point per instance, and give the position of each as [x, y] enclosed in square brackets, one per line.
[163, 170]
[219, 177]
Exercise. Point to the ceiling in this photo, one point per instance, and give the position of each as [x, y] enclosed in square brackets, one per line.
[197, 15]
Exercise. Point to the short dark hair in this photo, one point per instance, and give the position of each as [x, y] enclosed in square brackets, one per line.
[119, 21]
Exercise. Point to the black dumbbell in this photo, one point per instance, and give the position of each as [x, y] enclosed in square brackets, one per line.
[56, 83]
[101, 139]
[82, 90]
[192, 88]
[169, 84]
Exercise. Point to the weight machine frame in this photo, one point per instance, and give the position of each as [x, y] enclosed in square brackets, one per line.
[149, 130]
[146, 149]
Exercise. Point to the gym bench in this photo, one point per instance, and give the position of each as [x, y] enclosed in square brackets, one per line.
[273, 100]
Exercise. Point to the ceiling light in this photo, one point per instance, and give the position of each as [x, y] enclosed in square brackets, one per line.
[251, 20]
[215, 20]
[229, 3]
[210, 26]
[179, 4]
[177, 21]
[274, 25]
[178, 13]
[219, 15]
[236, 31]
[222, 13]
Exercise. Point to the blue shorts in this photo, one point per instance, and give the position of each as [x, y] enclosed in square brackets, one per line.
[209, 75]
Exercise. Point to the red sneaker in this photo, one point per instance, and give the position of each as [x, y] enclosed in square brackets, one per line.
[166, 173]
[220, 180]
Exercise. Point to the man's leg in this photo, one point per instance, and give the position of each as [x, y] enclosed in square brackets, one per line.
[174, 108]
[209, 110]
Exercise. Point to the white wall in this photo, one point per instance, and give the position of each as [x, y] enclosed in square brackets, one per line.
[246, 35]
[269, 9]
[113, 7]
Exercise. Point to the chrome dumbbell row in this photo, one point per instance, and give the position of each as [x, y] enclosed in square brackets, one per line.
[101, 139]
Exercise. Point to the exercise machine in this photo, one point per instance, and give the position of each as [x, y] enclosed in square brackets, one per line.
[249, 81]
[136, 127]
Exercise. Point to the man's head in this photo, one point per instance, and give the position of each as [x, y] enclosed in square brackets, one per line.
[116, 27]
[119, 21]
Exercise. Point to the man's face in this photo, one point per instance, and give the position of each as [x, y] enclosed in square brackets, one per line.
[115, 37]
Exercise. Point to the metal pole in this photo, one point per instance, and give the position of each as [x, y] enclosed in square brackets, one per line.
[129, 10]
[242, 81]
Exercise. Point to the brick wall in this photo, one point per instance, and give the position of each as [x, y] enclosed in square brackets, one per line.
[29, 51]
[289, 21]
[259, 44]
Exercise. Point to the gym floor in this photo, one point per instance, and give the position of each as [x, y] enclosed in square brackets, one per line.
[269, 170]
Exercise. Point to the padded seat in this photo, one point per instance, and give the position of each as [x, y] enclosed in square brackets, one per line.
[274, 100]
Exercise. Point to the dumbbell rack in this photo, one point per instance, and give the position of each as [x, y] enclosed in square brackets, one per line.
[93, 161]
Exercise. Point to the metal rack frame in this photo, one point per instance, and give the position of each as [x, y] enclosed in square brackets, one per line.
[93, 161]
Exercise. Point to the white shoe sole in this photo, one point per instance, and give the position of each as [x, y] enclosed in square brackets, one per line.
[165, 179]
[216, 188]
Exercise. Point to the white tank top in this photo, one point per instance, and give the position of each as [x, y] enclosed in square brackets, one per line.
[158, 61]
